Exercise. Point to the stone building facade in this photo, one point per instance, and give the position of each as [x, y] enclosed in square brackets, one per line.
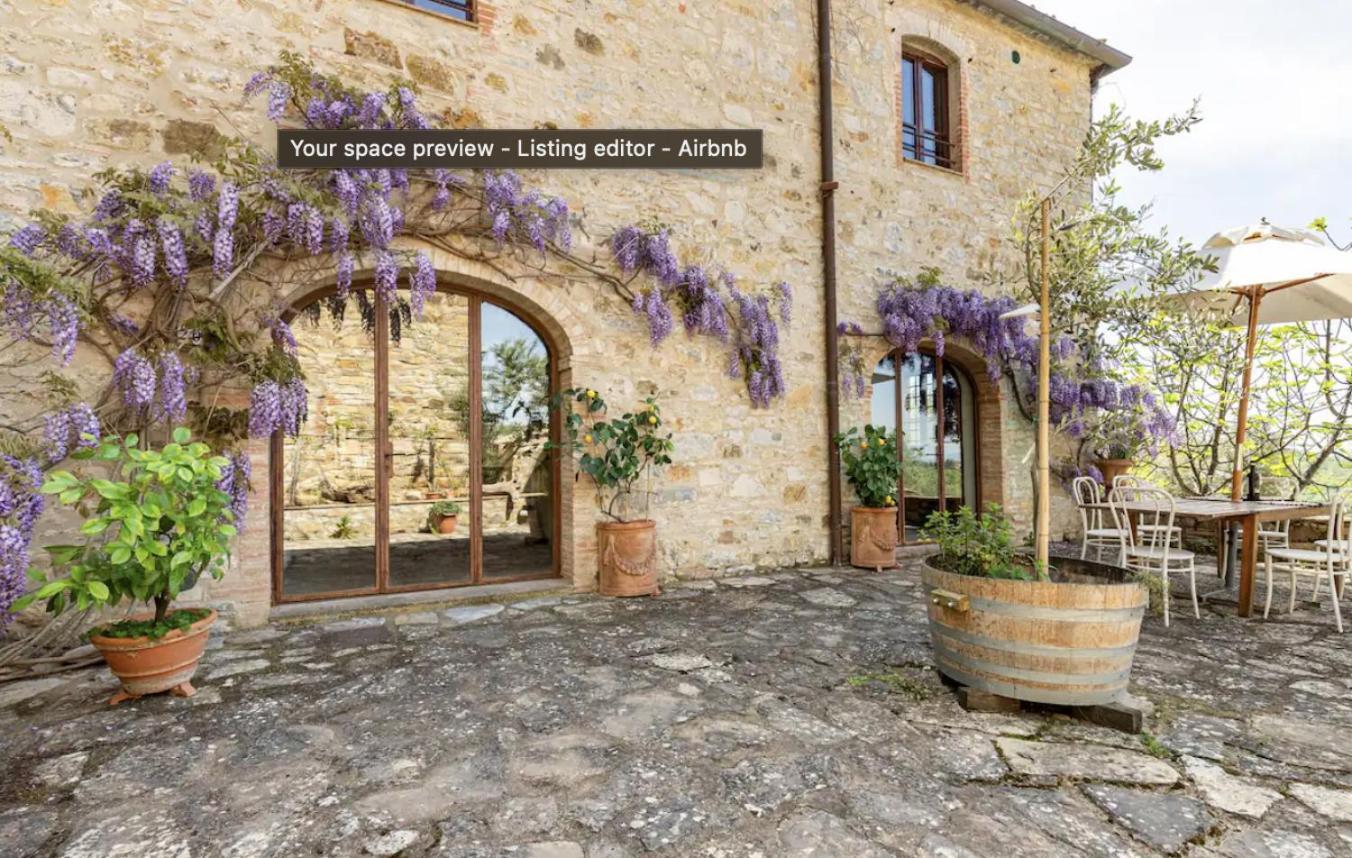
[85, 84]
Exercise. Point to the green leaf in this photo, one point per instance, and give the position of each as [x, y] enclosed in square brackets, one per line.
[98, 590]
[181, 435]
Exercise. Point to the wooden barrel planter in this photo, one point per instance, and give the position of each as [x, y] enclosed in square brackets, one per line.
[1069, 641]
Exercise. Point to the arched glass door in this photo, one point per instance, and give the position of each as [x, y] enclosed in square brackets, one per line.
[932, 407]
[423, 463]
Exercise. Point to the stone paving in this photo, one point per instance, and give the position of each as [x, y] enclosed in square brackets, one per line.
[784, 715]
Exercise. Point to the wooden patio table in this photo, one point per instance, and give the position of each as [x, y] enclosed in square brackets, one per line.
[1247, 514]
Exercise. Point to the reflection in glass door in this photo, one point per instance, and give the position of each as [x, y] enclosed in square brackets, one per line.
[329, 472]
[937, 436]
[518, 477]
[428, 427]
[424, 462]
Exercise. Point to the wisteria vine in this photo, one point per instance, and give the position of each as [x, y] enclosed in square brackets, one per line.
[707, 297]
[1087, 404]
[160, 276]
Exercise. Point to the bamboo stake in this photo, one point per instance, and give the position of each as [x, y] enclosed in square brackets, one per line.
[1044, 481]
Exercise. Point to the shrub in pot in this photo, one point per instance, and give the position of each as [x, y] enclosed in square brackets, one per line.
[151, 528]
[443, 516]
[619, 455]
[873, 470]
[1065, 635]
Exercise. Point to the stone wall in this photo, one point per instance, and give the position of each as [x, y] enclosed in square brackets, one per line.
[89, 83]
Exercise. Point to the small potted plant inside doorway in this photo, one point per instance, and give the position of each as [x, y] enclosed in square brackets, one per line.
[874, 471]
[443, 516]
[619, 454]
[152, 528]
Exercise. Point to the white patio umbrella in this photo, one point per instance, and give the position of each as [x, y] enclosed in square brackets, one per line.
[1268, 275]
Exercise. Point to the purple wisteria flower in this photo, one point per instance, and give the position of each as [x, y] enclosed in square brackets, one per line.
[173, 406]
[73, 427]
[175, 254]
[343, 278]
[265, 409]
[277, 406]
[282, 335]
[422, 282]
[21, 504]
[160, 176]
[223, 245]
[134, 377]
[201, 185]
[279, 95]
[27, 239]
[386, 276]
[234, 481]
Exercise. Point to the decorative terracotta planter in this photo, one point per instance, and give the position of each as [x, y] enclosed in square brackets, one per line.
[446, 524]
[626, 558]
[1111, 469]
[873, 543]
[149, 666]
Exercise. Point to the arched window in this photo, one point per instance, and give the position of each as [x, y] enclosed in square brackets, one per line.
[933, 407]
[929, 90]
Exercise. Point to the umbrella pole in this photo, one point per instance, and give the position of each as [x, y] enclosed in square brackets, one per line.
[1237, 478]
[1231, 553]
[1043, 540]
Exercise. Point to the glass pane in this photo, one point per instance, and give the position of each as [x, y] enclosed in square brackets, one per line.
[908, 92]
[429, 434]
[954, 423]
[329, 472]
[920, 451]
[885, 394]
[518, 509]
[927, 116]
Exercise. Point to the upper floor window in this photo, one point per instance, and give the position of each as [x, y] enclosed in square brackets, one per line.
[926, 133]
[461, 10]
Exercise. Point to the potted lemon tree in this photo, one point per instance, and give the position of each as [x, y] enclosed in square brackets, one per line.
[151, 529]
[620, 455]
[874, 471]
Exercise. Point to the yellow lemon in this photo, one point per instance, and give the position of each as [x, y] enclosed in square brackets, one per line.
[863, 445]
[591, 394]
[890, 501]
[652, 420]
[587, 438]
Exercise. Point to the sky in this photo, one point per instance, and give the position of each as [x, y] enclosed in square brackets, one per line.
[1275, 82]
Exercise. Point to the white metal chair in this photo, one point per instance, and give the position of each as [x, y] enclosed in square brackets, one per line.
[1145, 548]
[1088, 497]
[1319, 564]
[1129, 481]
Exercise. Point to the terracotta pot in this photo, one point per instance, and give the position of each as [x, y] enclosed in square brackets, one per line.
[434, 495]
[149, 666]
[1112, 468]
[446, 524]
[626, 557]
[873, 543]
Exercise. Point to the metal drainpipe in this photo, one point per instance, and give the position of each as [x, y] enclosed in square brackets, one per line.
[828, 187]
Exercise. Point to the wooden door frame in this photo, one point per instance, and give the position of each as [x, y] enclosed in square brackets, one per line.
[384, 458]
